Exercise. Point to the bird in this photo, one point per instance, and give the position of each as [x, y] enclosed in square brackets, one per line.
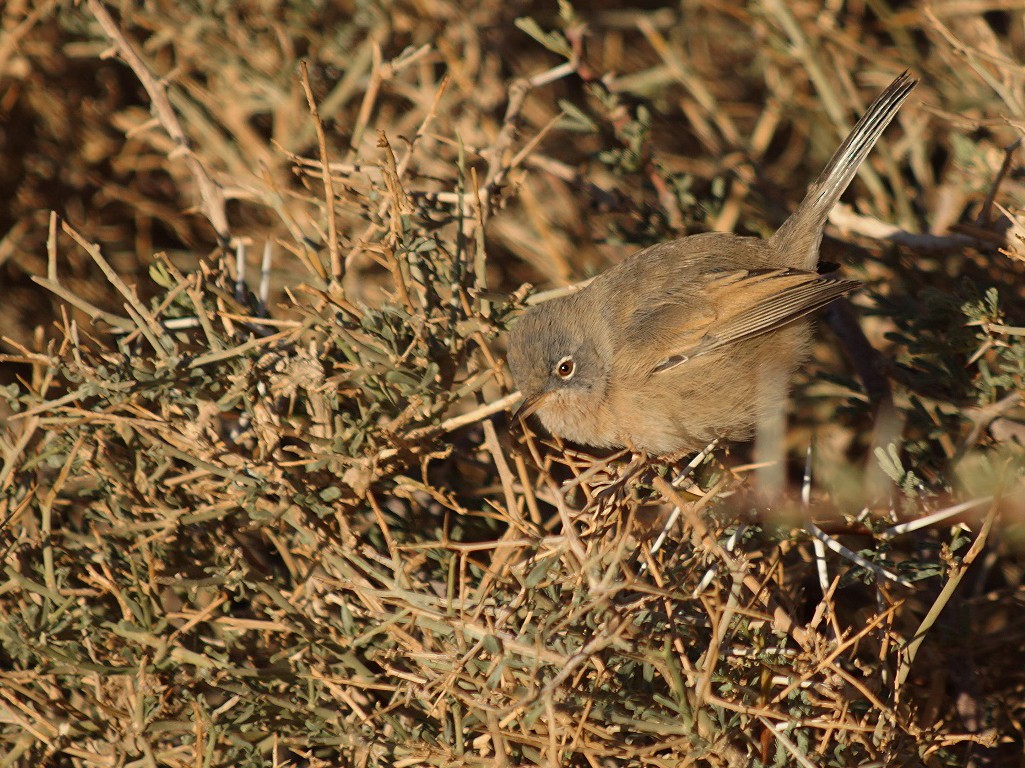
[694, 339]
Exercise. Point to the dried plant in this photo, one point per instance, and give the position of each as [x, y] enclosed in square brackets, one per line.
[263, 502]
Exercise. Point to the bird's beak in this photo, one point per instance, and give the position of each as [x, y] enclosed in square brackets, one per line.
[530, 406]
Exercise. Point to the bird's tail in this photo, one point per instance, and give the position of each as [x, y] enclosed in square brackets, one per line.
[799, 237]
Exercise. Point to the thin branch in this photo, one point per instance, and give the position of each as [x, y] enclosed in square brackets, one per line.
[210, 193]
[337, 266]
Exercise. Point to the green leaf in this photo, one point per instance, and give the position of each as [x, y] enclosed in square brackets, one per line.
[553, 41]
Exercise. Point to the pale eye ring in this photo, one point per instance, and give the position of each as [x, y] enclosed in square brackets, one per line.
[565, 368]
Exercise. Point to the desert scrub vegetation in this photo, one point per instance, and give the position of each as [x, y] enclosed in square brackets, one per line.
[262, 501]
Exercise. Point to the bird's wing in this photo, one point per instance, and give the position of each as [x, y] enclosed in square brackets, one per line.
[734, 305]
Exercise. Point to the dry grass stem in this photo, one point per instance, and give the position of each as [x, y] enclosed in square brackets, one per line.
[269, 505]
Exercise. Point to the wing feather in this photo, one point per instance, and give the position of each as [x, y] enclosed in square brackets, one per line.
[728, 307]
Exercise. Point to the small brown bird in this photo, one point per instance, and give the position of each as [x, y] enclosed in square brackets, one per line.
[693, 339]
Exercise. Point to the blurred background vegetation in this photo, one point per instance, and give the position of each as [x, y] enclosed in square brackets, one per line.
[262, 502]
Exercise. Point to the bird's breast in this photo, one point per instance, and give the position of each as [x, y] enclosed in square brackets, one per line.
[582, 417]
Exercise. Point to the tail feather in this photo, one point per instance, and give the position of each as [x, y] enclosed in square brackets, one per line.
[799, 238]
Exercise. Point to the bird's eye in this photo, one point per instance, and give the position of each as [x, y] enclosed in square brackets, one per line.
[565, 368]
